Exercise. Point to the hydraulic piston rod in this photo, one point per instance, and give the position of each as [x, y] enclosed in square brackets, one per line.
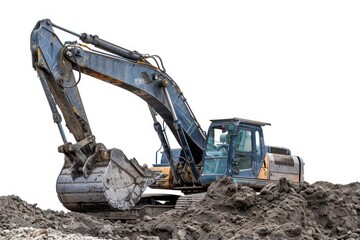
[102, 44]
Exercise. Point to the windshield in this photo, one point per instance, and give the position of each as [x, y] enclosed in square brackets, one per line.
[216, 151]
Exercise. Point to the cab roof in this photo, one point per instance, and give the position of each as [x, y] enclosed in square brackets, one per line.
[241, 120]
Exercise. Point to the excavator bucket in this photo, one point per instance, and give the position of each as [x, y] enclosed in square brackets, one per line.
[116, 183]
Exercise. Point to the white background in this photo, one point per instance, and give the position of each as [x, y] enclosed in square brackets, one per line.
[294, 64]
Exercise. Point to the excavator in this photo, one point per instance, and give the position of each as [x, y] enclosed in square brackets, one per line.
[104, 182]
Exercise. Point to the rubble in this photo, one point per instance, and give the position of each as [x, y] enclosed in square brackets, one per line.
[228, 211]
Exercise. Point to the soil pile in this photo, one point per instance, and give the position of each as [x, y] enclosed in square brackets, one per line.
[232, 211]
[20, 220]
[228, 211]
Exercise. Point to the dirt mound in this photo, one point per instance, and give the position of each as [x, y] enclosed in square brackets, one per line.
[229, 211]
[233, 211]
[19, 219]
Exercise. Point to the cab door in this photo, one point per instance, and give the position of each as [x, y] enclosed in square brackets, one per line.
[247, 152]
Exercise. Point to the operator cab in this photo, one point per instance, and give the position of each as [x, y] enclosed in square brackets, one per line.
[234, 147]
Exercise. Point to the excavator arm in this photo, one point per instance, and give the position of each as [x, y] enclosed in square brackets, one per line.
[94, 177]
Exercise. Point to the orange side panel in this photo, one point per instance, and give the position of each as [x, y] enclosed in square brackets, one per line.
[264, 170]
[164, 183]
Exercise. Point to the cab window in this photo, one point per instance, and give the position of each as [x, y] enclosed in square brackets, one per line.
[243, 157]
[217, 150]
[258, 144]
